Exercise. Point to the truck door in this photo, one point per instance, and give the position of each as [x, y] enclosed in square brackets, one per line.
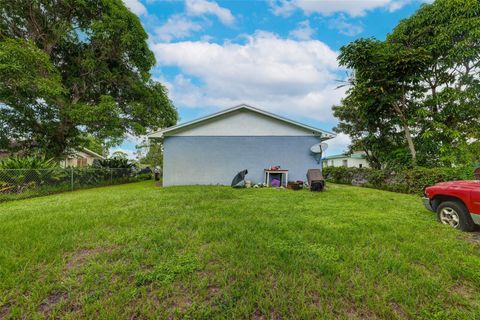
[475, 201]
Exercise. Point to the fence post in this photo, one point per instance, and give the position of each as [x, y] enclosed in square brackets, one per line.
[71, 178]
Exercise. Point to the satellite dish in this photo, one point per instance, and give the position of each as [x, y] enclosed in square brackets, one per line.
[319, 148]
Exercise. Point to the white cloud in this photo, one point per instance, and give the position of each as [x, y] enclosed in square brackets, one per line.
[303, 32]
[176, 27]
[329, 7]
[344, 27]
[338, 145]
[136, 7]
[281, 75]
[204, 7]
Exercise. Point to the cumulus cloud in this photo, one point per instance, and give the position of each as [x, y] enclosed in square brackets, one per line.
[204, 7]
[281, 75]
[136, 7]
[344, 27]
[339, 144]
[303, 32]
[328, 7]
[176, 27]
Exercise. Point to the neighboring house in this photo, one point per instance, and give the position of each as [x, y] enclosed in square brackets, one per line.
[81, 158]
[356, 159]
[212, 149]
[4, 154]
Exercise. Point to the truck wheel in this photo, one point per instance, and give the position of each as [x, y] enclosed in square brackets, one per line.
[455, 214]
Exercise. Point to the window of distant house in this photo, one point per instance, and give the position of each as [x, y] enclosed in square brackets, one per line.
[345, 163]
[360, 165]
[331, 163]
[81, 162]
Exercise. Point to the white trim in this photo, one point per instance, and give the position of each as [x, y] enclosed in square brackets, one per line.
[160, 133]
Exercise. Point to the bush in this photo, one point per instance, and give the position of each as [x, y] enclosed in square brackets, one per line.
[27, 163]
[113, 163]
[144, 176]
[404, 180]
[21, 174]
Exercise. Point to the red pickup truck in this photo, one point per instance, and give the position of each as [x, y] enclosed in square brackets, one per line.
[457, 203]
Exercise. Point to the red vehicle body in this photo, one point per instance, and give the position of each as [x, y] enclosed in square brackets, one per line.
[456, 203]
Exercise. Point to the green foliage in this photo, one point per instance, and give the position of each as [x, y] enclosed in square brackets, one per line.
[28, 163]
[91, 143]
[114, 163]
[154, 155]
[418, 91]
[69, 69]
[20, 174]
[144, 176]
[402, 180]
[119, 155]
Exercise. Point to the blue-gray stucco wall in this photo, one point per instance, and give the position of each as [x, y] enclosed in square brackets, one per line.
[215, 160]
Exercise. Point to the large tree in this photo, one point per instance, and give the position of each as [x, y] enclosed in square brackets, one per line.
[70, 69]
[449, 30]
[422, 81]
[381, 102]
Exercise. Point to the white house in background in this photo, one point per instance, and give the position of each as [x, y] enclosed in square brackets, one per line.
[357, 159]
[81, 158]
[213, 149]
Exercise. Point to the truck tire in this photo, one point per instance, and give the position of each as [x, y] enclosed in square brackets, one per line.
[455, 214]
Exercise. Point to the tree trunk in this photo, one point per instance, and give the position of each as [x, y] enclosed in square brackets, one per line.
[408, 135]
[411, 146]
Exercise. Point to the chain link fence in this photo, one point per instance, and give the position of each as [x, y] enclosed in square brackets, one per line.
[25, 183]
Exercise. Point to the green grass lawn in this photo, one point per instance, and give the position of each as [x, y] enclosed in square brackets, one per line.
[136, 251]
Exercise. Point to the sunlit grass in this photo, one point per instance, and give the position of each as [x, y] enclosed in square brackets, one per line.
[215, 252]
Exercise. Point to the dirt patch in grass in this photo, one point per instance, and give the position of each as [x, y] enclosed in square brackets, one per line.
[212, 292]
[5, 309]
[398, 310]
[180, 299]
[473, 237]
[463, 291]
[81, 256]
[353, 311]
[273, 315]
[51, 301]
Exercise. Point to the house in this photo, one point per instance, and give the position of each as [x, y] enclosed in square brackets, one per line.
[356, 159]
[213, 149]
[4, 154]
[81, 158]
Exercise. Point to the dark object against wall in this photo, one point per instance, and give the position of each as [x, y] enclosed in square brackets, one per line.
[315, 180]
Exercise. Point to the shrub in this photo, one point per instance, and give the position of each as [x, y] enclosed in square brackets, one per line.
[19, 174]
[113, 163]
[27, 163]
[403, 180]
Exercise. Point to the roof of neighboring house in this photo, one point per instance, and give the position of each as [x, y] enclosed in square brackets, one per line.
[87, 151]
[314, 130]
[92, 153]
[346, 156]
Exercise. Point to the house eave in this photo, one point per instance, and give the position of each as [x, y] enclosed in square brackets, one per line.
[324, 135]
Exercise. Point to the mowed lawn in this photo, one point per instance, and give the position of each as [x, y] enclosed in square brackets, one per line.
[137, 251]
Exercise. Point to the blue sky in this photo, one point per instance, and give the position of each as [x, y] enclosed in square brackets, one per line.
[278, 55]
